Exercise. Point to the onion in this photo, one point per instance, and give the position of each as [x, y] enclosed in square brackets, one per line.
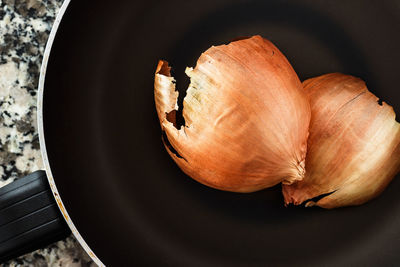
[246, 117]
[353, 148]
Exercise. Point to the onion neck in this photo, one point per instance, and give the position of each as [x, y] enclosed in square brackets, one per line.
[295, 173]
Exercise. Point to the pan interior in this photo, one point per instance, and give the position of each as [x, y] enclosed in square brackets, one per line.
[129, 200]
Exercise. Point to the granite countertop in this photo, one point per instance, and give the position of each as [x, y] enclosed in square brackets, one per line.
[24, 29]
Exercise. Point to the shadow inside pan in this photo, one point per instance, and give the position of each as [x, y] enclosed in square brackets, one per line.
[130, 201]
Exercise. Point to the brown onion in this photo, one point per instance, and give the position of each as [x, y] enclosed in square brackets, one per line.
[246, 117]
[353, 148]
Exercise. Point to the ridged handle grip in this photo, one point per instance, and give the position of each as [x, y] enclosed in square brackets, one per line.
[29, 216]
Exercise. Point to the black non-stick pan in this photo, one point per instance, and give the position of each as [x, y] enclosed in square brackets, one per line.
[127, 201]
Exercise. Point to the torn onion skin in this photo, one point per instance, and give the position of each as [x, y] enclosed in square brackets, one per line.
[353, 148]
[246, 117]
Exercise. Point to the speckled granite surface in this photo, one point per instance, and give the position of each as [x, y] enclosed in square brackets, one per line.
[24, 29]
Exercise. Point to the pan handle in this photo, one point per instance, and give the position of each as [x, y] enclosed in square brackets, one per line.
[29, 216]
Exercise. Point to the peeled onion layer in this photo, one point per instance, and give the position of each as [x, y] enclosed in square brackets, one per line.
[353, 148]
[246, 117]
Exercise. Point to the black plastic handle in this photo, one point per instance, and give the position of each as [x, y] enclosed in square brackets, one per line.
[29, 216]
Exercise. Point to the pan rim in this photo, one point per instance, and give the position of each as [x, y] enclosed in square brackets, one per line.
[42, 141]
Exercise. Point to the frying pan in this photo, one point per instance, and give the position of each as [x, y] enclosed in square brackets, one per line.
[123, 197]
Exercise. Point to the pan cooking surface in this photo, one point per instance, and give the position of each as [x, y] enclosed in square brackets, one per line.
[130, 201]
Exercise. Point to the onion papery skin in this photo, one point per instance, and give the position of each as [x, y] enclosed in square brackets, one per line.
[246, 117]
[353, 148]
